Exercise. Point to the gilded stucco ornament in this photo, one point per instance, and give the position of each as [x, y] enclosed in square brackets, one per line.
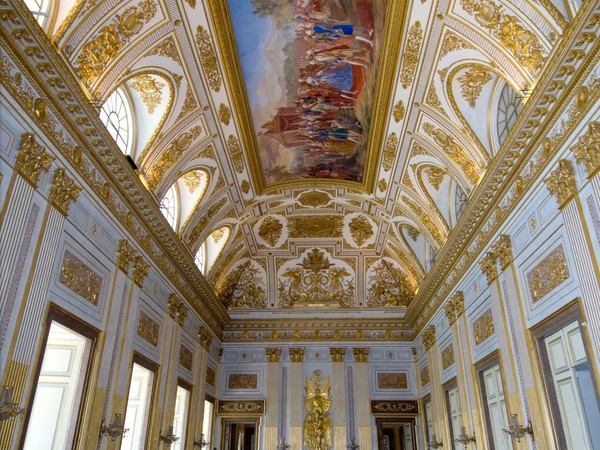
[317, 423]
[140, 270]
[63, 191]
[314, 198]
[388, 286]
[167, 48]
[425, 378]
[587, 149]
[337, 354]
[489, 266]
[361, 354]
[453, 42]
[81, 279]
[224, 114]
[483, 327]
[177, 309]
[244, 287]
[315, 280]
[399, 111]
[150, 90]
[32, 159]
[551, 272]
[273, 354]
[382, 185]
[235, 151]
[270, 230]
[148, 329]
[389, 151]
[204, 338]
[186, 357]
[125, 255]
[204, 221]
[472, 82]
[447, 356]
[394, 380]
[561, 183]
[296, 354]
[503, 249]
[361, 229]
[429, 337]
[209, 60]
[315, 226]
[411, 54]
[435, 176]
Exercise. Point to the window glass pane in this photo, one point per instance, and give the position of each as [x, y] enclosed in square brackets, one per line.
[180, 418]
[207, 422]
[39, 9]
[138, 408]
[168, 206]
[116, 116]
[59, 390]
[200, 258]
[509, 108]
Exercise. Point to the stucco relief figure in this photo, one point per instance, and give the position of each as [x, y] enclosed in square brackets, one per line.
[317, 423]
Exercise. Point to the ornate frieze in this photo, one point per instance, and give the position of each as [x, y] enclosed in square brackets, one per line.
[361, 355]
[503, 250]
[587, 149]
[429, 337]
[243, 381]
[273, 354]
[489, 267]
[314, 198]
[148, 329]
[561, 183]
[32, 159]
[337, 354]
[447, 356]
[210, 376]
[315, 226]
[125, 255]
[548, 274]
[424, 375]
[177, 309]
[140, 270]
[318, 429]
[296, 354]
[483, 327]
[167, 48]
[394, 380]
[411, 54]
[209, 60]
[394, 406]
[78, 277]
[204, 338]
[186, 357]
[241, 407]
[63, 191]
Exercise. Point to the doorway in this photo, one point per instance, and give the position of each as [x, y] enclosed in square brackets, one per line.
[240, 434]
[396, 433]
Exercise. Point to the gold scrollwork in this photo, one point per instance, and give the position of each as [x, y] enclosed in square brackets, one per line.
[204, 338]
[186, 357]
[548, 274]
[150, 90]
[270, 230]
[489, 266]
[399, 110]
[472, 82]
[296, 354]
[209, 60]
[360, 229]
[389, 151]
[210, 376]
[32, 159]
[140, 270]
[148, 329]
[243, 288]
[78, 277]
[361, 354]
[273, 354]
[429, 337]
[63, 191]
[125, 255]
[177, 309]
[337, 354]
[394, 380]
[561, 183]
[240, 407]
[483, 327]
[389, 286]
[587, 149]
[411, 54]
[447, 356]
[243, 381]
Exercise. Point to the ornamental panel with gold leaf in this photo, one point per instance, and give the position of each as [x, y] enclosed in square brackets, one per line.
[243, 381]
[361, 229]
[209, 60]
[393, 380]
[243, 287]
[483, 327]
[315, 226]
[388, 286]
[79, 278]
[552, 271]
[411, 54]
[472, 82]
[148, 329]
[314, 198]
[270, 230]
[150, 90]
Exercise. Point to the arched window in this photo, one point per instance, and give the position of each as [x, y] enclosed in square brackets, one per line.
[509, 108]
[168, 206]
[116, 116]
[39, 9]
[460, 201]
[200, 258]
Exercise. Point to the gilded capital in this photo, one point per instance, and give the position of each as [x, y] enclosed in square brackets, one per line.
[361, 355]
[32, 159]
[503, 249]
[177, 309]
[125, 255]
[450, 311]
[140, 270]
[296, 354]
[63, 191]
[587, 149]
[458, 299]
[429, 337]
[204, 338]
[337, 354]
[273, 354]
[561, 183]
[489, 267]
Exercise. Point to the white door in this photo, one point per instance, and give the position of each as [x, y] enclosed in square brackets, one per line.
[138, 408]
[498, 417]
[565, 351]
[180, 418]
[454, 411]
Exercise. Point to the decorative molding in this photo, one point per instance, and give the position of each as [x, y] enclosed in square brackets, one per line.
[32, 159]
[273, 354]
[241, 407]
[186, 357]
[429, 337]
[548, 274]
[78, 277]
[63, 191]
[503, 250]
[587, 149]
[338, 354]
[210, 62]
[394, 406]
[483, 327]
[242, 381]
[361, 355]
[561, 183]
[177, 309]
[489, 267]
[224, 114]
[447, 356]
[148, 329]
[204, 338]
[296, 354]
[150, 90]
[394, 380]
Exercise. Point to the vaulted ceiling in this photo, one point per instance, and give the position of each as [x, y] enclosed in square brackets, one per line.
[332, 226]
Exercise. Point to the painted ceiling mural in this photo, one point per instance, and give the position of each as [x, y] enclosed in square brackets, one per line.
[338, 142]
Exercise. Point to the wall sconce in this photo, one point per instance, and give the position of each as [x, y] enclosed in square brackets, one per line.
[8, 409]
[169, 438]
[434, 443]
[464, 438]
[282, 444]
[352, 445]
[114, 429]
[518, 431]
[202, 442]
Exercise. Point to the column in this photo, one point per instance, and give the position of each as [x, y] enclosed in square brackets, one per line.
[338, 393]
[297, 395]
[273, 413]
[362, 402]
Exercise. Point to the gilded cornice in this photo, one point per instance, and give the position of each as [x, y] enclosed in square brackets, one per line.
[509, 174]
[87, 145]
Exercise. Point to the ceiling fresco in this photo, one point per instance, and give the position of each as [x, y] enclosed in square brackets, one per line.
[339, 143]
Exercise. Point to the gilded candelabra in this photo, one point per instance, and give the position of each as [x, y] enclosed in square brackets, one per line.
[169, 438]
[518, 431]
[114, 429]
[352, 445]
[8, 409]
[434, 443]
[202, 442]
[464, 438]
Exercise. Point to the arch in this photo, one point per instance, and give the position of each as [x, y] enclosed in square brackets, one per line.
[215, 243]
[117, 115]
[193, 186]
